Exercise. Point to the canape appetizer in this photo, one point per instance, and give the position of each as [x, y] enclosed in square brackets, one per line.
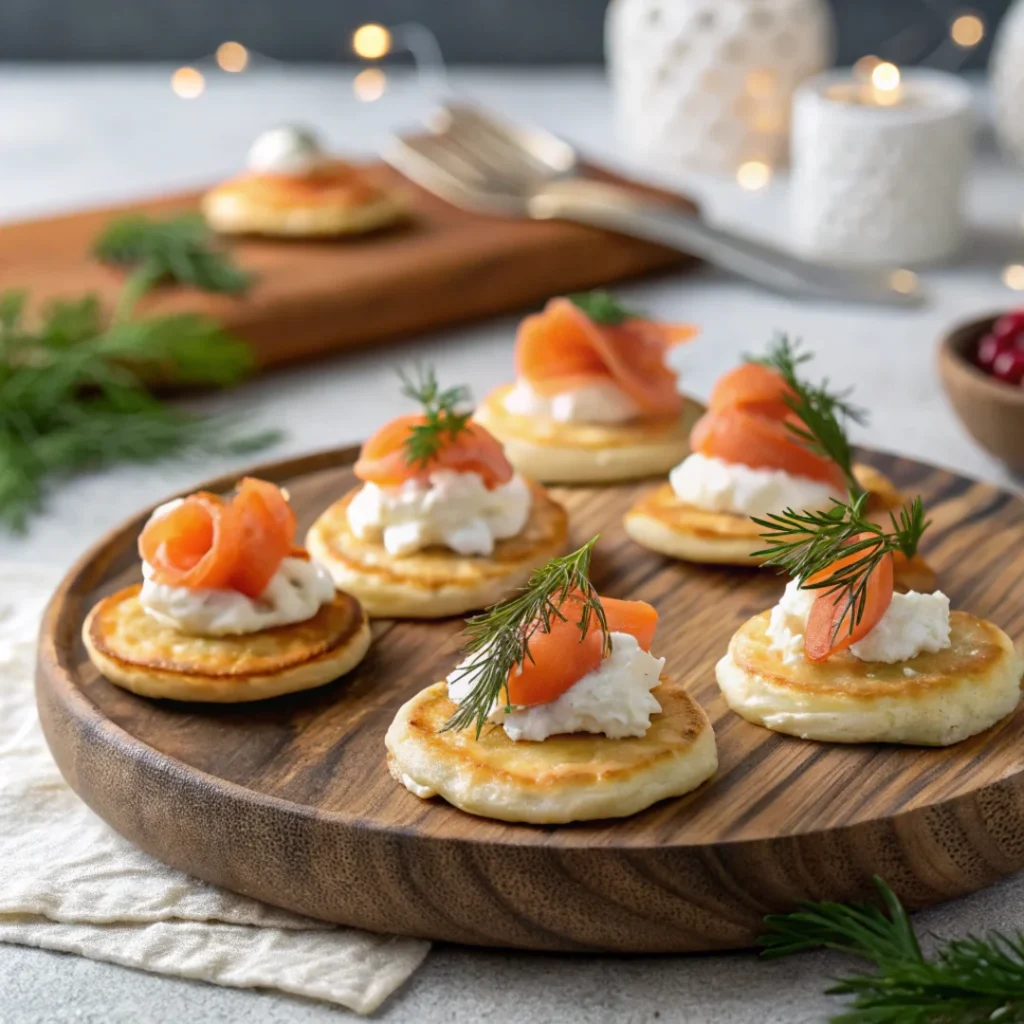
[844, 658]
[441, 524]
[558, 713]
[292, 188]
[752, 455]
[229, 610]
[594, 400]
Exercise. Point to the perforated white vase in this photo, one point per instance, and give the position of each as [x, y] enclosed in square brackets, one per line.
[1006, 69]
[707, 84]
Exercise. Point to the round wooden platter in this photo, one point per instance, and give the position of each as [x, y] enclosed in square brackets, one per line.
[290, 801]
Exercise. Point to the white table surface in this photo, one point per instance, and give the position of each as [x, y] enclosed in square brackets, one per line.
[74, 136]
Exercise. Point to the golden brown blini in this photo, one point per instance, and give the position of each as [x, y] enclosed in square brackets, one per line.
[333, 199]
[577, 777]
[138, 653]
[933, 699]
[435, 582]
[662, 522]
[577, 453]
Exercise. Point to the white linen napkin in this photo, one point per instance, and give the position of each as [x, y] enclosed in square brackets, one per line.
[68, 882]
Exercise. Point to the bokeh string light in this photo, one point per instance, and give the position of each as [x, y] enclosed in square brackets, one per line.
[370, 42]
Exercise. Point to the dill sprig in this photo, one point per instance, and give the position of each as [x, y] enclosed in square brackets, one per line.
[823, 413]
[75, 384]
[497, 641]
[180, 249]
[966, 981]
[602, 307]
[442, 420]
[807, 545]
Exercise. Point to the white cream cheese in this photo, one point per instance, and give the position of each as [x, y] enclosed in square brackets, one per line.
[717, 486]
[285, 150]
[595, 403]
[614, 699]
[423, 792]
[296, 593]
[912, 624]
[451, 508]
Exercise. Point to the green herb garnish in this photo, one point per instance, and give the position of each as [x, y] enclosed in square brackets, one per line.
[808, 544]
[602, 307]
[966, 981]
[498, 640]
[442, 420]
[181, 249]
[822, 413]
[72, 395]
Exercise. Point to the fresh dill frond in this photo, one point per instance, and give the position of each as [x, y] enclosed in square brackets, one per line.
[179, 249]
[74, 394]
[966, 981]
[442, 419]
[602, 307]
[808, 544]
[497, 642]
[823, 413]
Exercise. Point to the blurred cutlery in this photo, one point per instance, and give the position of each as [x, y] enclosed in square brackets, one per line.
[479, 163]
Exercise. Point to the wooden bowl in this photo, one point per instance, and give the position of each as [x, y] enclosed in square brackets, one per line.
[992, 412]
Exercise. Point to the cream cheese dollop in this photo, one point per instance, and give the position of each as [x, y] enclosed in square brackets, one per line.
[912, 624]
[450, 508]
[287, 149]
[297, 591]
[601, 402]
[615, 699]
[717, 486]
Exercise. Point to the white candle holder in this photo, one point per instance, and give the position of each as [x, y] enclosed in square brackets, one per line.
[878, 178]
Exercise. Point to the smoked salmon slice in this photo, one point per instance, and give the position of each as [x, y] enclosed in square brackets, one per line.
[561, 349]
[559, 659]
[827, 617]
[738, 436]
[209, 543]
[383, 459]
[752, 388]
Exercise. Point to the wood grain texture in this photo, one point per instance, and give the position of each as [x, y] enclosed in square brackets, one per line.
[445, 266]
[290, 801]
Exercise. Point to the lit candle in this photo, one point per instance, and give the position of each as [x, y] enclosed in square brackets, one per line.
[879, 160]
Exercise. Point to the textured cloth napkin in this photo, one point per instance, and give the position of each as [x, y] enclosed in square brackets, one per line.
[69, 882]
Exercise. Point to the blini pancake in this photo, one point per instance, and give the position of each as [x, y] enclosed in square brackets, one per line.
[580, 453]
[662, 522]
[932, 700]
[435, 582]
[138, 653]
[577, 777]
[336, 199]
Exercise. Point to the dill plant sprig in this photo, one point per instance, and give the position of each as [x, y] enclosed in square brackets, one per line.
[442, 419]
[823, 413]
[497, 641]
[602, 307]
[966, 981]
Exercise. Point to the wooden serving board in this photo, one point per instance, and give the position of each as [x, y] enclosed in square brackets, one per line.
[290, 801]
[444, 266]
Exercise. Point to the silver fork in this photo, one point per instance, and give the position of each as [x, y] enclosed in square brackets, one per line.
[480, 163]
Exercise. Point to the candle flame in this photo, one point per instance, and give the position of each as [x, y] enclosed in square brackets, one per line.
[885, 77]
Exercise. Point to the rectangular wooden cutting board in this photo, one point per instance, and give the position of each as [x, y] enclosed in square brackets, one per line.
[446, 266]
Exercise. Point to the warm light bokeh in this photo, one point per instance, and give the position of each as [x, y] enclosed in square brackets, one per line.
[232, 57]
[188, 83]
[371, 42]
[753, 175]
[967, 30]
[369, 85]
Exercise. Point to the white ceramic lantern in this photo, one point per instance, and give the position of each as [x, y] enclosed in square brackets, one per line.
[707, 84]
[1007, 74]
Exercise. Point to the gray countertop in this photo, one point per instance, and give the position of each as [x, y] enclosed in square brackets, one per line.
[71, 136]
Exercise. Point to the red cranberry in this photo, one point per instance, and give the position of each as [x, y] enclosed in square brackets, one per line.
[1010, 325]
[988, 348]
[1009, 366]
